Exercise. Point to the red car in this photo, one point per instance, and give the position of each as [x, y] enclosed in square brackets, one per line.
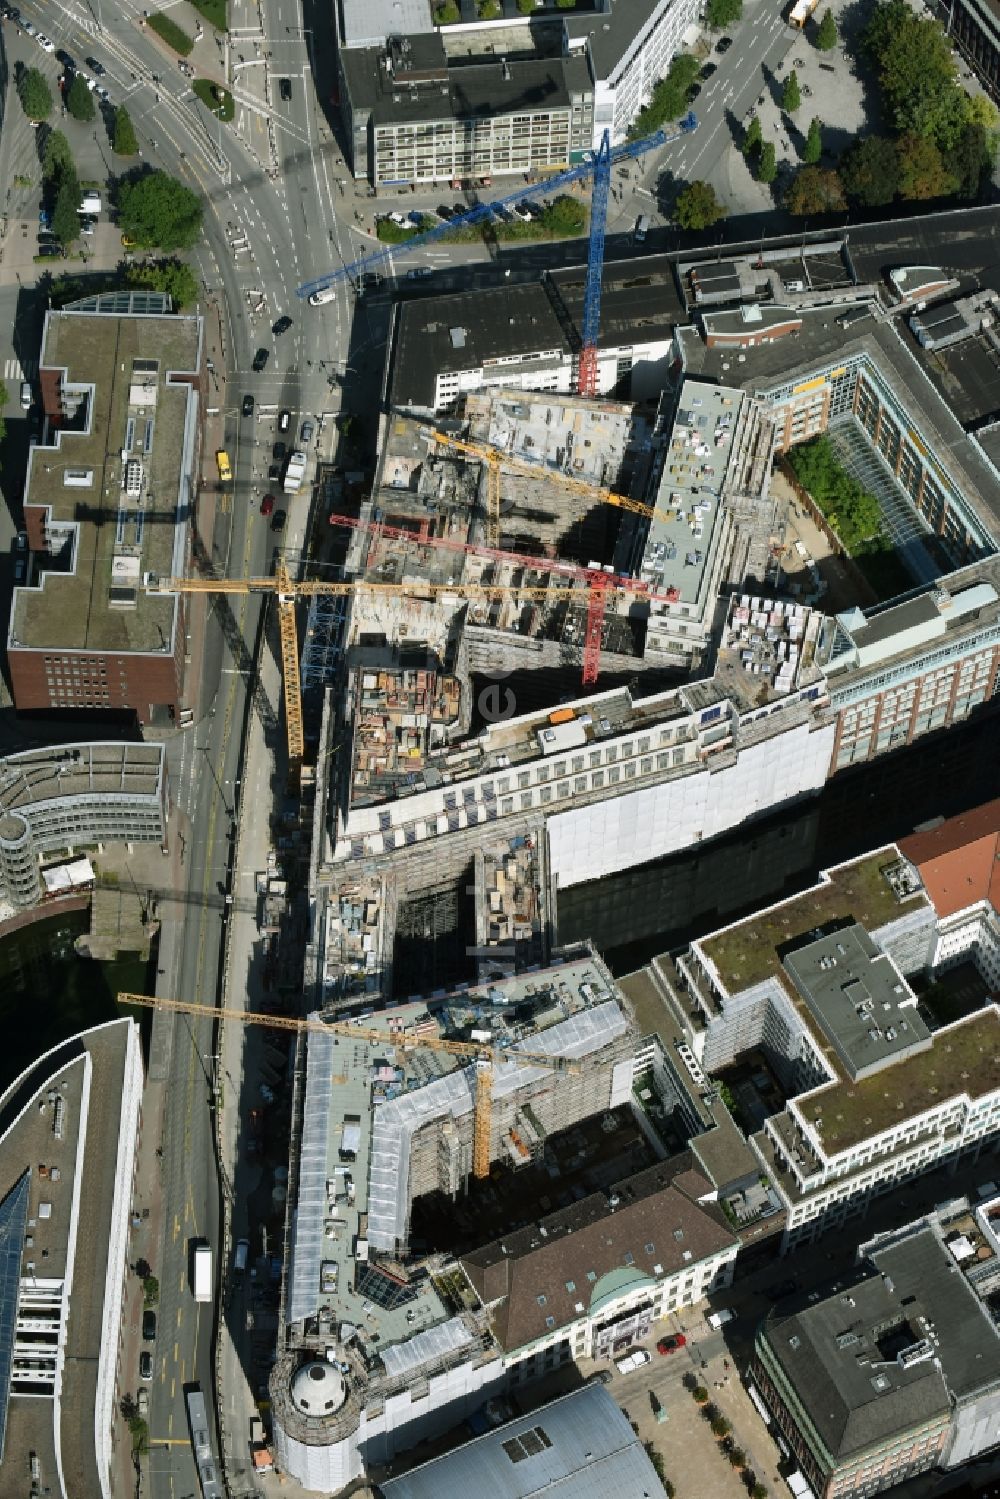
[671, 1344]
[267, 504]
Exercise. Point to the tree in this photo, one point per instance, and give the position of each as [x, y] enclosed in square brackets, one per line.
[754, 137]
[56, 155]
[697, 207]
[65, 219]
[722, 13]
[79, 100]
[917, 72]
[922, 172]
[150, 1290]
[870, 171]
[826, 33]
[815, 190]
[791, 96]
[34, 94]
[700, 1394]
[565, 216]
[813, 148]
[142, 1268]
[721, 1427]
[767, 166]
[968, 160]
[123, 141]
[128, 1407]
[670, 96]
[738, 1458]
[156, 209]
[759, 1491]
[172, 276]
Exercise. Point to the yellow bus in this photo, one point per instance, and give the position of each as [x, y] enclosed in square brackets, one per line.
[225, 468]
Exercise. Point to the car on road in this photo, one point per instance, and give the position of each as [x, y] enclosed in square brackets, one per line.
[708, 70]
[44, 42]
[418, 273]
[267, 504]
[102, 94]
[145, 1364]
[693, 92]
[30, 30]
[282, 326]
[671, 1344]
[274, 472]
[25, 400]
[260, 359]
[278, 452]
[149, 1326]
[96, 67]
[248, 405]
[285, 89]
[723, 44]
[185, 68]
[325, 294]
[633, 1360]
[63, 56]
[284, 420]
[224, 466]
[278, 524]
[306, 431]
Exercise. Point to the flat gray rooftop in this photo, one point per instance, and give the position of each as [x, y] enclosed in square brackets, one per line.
[365, 23]
[122, 367]
[678, 549]
[857, 995]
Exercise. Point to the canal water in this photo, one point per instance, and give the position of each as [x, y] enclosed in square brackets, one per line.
[48, 993]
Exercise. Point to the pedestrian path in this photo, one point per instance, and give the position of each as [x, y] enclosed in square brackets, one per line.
[14, 370]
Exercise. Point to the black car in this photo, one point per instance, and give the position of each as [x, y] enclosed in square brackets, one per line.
[260, 359]
[278, 520]
[63, 56]
[149, 1326]
[145, 1365]
[50, 250]
[278, 452]
[97, 68]
[693, 92]
[285, 88]
[724, 44]
[274, 472]
[709, 69]
[248, 405]
[444, 212]
[282, 326]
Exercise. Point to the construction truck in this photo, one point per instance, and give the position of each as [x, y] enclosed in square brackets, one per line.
[294, 473]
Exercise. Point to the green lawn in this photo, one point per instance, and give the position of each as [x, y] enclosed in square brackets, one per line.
[223, 108]
[214, 12]
[171, 33]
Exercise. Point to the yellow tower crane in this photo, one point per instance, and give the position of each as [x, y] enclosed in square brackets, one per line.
[494, 459]
[288, 591]
[482, 1054]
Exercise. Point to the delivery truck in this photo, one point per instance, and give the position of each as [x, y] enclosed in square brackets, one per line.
[202, 1272]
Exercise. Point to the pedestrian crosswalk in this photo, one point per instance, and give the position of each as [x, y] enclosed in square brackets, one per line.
[13, 369]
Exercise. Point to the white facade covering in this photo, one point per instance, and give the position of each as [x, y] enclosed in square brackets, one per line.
[592, 841]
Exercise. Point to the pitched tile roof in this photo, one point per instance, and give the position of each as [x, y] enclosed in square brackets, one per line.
[548, 1274]
[959, 861]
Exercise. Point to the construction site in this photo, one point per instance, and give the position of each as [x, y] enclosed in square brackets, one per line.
[419, 1102]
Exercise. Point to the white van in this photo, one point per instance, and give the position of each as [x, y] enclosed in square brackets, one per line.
[719, 1319]
[25, 395]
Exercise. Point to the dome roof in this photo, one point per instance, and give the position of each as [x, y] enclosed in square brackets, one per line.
[318, 1389]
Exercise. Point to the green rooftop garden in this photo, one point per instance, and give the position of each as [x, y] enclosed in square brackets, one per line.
[747, 954]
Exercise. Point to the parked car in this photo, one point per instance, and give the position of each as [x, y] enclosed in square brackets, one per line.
[444, 212]
[50, 250]
[306, 432]
[25, 400]
[88, 226]
[145, 1364]
[708, 70]
[282, 326]
[63, 56]
[248, 405]
[723, 44]
[671, 1344]
[267, 504]
[260, 359]
[285, 89]
[142, 1403]
[149, 1326]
